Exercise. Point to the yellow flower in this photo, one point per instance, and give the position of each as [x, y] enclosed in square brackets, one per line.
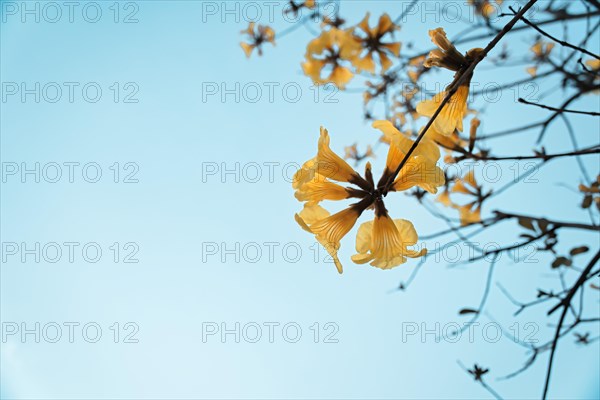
[454, 111]
[351, 153]
[316, 181]
[446, 56]
[444, 198]
[420, 170]
[329, 229]
[541, 50]
[372, 43]
[532, 71]
[327, 52]
[452, 115]
[591, 194]
[469, 214]
[485, 8]
[333, 166]
[466, 185]
[320, 188]
[594, 64]
[384, 242]
[257, 37]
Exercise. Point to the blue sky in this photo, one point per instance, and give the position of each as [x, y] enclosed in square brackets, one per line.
[171, 140]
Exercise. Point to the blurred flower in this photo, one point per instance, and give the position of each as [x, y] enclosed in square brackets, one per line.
[257, 37]
[351, 153]
[416, 68]
[327, 52]
[375, 90]
[466, 185]
[541, 51]
[591, 194]
[384, 241]
[485, 8]
[403, 106]
[593, 65]
[469, 213]
[594, 73]
[452, 114]
[444, 198]
[371, 42]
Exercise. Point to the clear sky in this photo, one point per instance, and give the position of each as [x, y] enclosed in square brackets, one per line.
[187, 174]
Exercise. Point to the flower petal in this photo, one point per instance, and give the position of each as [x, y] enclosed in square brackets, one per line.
[330, 164]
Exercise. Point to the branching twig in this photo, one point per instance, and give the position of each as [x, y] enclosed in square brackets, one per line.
[592, 113]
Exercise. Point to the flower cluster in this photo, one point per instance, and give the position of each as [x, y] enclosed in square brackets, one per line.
[384, 242]
[337, 54]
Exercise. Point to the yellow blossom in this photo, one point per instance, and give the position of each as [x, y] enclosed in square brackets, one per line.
[593, 64]
[591, 193]
[372, 44]
[329, 229]
[420, 170]
[444, 198]
[469, 213]
[466, 185]
[541, 49]
[262, 34]
[385, 242]
[452, 114]
[327, 52]
[485, 8]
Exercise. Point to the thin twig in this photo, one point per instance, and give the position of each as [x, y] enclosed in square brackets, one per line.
[561, 42]
[565, 303]
[592, 113]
